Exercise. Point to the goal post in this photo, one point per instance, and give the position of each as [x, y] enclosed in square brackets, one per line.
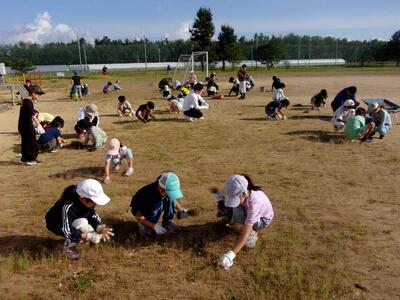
[196, 62]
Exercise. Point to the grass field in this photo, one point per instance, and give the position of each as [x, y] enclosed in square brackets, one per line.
[336, 232]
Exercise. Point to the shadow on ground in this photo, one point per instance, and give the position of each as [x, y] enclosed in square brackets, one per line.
[311, 117]
[191, 237]
[254, 119]
[33, 246]
[86, 172]
[320, 136]
[177, 119]
[10, 163]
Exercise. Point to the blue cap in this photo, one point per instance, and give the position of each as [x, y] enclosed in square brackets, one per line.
[170, 183]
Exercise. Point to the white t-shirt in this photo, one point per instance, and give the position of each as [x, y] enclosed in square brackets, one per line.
[193, 100]
[278, 95]
[124, 105]
[341, 114]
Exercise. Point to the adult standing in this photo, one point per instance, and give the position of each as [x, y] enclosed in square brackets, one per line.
[242, 81]
[77, 84]
[26, 128]
[343, 95]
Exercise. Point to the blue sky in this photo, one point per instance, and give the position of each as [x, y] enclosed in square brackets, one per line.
[58, 20]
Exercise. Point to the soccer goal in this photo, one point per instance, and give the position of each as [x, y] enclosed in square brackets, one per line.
[196, 62]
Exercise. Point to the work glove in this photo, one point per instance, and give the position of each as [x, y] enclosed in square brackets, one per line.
[94, 237]
[226, 261]
[159, 229]
[183, 214]
[40, 129]
[107, 180]
[219, 196]
[105, 231]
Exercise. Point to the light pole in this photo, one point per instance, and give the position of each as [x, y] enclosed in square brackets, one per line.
[145, 53]
[79, 52]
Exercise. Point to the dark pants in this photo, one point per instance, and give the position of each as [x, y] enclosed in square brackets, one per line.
[194, 113]
[29, 147]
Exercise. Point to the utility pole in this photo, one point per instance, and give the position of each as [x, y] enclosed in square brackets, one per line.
[309, 53]
[298, 53]
[336, 55]
[84, 55]
[145, 53]
[79, 51]
[257, 52]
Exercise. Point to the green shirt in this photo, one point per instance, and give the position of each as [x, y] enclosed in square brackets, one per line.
[354, 127]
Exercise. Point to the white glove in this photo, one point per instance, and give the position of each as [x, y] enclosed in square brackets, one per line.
[107, 180]
[226, 261]
[219, 197]
[105, 231]
[159, 229]
[94, 237]
[40, 129]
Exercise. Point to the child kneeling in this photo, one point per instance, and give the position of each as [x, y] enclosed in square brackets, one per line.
[114, 156]
[74, 217]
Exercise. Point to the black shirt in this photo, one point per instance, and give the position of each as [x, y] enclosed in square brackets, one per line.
[60, 217]
[76, 79]
[146, 199]
[143, 109]
[25, 122]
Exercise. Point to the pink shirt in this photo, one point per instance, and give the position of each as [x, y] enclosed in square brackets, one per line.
[258, 206]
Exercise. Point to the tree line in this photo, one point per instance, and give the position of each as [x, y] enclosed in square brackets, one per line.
[226, 48]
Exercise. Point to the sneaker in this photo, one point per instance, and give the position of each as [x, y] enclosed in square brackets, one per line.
[129, 172]
[172, 227]
[201, 118]
[33, 162]
[189, 119]
[18, 155]
[56, 149]
[381, 136]
[251, 240]
[72, 253]
[182, 214]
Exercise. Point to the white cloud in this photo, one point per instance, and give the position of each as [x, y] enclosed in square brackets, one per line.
[41, 31]
[182, 33]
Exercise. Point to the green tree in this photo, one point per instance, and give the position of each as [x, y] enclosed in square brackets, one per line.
[21, 65]
[394, 47]
[203, 29]
[227, 45]
[272, 52]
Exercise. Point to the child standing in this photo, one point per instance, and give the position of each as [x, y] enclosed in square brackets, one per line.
[74, 217]
[51, 140]
[242, 81]
[124, 108]
[26, 128]
[243, 203]
[114, 156]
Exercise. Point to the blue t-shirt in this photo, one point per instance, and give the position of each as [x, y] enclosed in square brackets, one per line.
[50, 133]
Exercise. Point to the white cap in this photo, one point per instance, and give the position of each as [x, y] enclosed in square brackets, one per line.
[348, 102]
[92, 189]
[235, 187]
[372, 106]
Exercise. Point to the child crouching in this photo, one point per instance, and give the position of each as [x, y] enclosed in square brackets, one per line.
[114, 156]
[124, 108]
[74, 217]
[51, 140]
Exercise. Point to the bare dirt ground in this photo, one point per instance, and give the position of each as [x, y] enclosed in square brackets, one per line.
[336, 232]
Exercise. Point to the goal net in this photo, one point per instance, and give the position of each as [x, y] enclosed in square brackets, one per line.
[196, 62]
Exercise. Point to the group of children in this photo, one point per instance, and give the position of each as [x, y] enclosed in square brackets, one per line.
[358, 123]
[78, 88]
[110, 87]
[74, 217]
